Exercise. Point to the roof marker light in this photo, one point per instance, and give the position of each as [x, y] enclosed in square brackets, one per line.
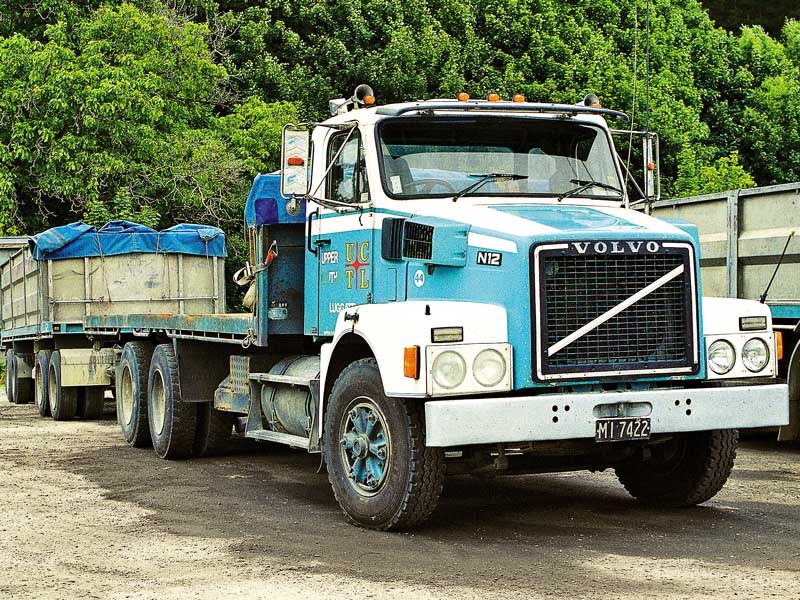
[519, 98]
[493, 97]
[463, 97]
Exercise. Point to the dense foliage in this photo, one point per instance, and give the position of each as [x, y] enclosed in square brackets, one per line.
[164, 110]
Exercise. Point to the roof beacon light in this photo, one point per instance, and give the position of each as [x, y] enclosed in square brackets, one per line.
[463, 97]
[519, 98]
[493, 97]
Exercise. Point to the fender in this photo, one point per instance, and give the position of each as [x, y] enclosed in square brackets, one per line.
[388, 328]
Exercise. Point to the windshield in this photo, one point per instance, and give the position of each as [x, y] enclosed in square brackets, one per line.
[440, 157]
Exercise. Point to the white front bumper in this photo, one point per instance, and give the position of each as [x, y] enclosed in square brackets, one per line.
[569, 416]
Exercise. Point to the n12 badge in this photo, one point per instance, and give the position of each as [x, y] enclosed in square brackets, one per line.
[491, 259]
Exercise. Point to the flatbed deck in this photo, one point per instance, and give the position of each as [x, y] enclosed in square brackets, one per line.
[228, 327]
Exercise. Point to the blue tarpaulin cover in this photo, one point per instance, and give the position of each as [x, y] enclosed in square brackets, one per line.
[77, 240]
[265, 206]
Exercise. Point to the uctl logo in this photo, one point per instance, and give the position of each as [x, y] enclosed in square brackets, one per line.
[356, 260]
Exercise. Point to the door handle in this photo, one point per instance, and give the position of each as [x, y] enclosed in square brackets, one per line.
[309, 221]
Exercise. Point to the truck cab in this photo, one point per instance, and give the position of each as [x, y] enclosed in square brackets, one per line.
[478, 263]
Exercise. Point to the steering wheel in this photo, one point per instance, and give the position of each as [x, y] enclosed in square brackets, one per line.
[415, 185]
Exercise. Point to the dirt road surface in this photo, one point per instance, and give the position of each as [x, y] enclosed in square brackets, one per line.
[83, 516]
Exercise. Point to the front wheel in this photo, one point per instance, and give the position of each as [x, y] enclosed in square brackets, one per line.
[684, 471]
[381, 472]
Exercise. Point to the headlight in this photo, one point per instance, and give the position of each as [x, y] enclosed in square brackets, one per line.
[489, 368]
[721, 357]
[755, 354]
[449, 369]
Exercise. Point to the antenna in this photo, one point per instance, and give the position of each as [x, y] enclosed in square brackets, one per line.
[647, 70]
[775, 272]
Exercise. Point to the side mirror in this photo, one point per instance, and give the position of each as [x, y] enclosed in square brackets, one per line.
[651, 166]
[649, 173]
[295, 172]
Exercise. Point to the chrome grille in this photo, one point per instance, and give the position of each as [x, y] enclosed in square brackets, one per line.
[653, 334]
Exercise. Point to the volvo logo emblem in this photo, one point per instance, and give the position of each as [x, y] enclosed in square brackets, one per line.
[616, 247]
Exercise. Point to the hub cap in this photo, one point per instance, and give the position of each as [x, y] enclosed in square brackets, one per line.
[158, 402]
[126, 396]
[365, 446]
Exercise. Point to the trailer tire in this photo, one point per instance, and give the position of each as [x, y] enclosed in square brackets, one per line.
[688, 470]
[18, 389]
[361, 423]
[131, 393]
[41, 397]
[90, 402]
[214, 430]
[63, 401]
[9, 357]
[173, 423]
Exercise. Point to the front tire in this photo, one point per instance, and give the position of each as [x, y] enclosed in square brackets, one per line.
[172, 422]
[687, 470]
[381, 472]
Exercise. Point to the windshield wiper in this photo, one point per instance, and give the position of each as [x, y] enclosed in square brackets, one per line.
[585, 184]
[486, 178]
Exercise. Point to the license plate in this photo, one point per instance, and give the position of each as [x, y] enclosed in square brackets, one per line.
[620, 430]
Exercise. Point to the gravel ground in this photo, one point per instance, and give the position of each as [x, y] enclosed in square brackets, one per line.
[83, 516]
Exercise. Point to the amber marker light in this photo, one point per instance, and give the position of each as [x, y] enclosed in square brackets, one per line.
[463, 97]
[411, 362]
[779, 345]
[493, 97]
[295, 161]
[369, 100]
[519, 98]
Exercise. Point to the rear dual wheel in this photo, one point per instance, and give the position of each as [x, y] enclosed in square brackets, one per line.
[173, 423]
[63, 401]
[40, 385]
[19, 390]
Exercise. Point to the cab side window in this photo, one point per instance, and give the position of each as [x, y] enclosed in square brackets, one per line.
[347, 179]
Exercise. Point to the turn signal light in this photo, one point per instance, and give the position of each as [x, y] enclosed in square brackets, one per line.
[779, 345]
[369, 100]
[294, 161]
[463, 97]
[493, 97]
[519, 98]
[411, 362]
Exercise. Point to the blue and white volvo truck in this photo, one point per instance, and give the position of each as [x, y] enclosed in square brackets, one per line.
[444, 286]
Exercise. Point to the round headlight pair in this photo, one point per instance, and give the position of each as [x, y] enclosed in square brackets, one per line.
[450, 369]
[722, 356]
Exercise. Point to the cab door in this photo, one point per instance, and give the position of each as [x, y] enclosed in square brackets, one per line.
[342, 238]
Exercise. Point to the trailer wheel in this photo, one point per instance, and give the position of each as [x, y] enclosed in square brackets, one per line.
[19, 390]
[688, 470]
[172, 422]
[40, 382]
[214, 429]
[90, 402]
[9, 359]
[63, 401]
[381, 472]
[131, 393]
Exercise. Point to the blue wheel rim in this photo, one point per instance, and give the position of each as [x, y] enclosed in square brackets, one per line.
[366, 446]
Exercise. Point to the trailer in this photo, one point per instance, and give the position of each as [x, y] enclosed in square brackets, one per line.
[434, 287]
[750, 243]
